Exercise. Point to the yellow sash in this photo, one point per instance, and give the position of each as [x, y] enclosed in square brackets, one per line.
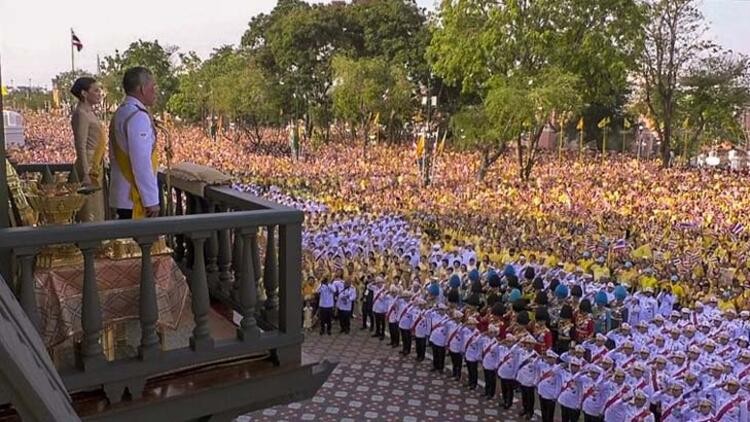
[123, 161]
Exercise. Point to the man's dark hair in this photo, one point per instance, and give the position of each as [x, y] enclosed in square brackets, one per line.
[135, 77]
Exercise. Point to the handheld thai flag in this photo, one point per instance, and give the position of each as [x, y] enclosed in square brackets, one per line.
[737, 229]
[620, 244]
[687, 225]
[75, 41]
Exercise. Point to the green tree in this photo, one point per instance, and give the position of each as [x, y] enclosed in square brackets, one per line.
[523, 106]
[244, 95]
[484, 46]
[296, 42]
[150, 54]
[673, 39]
[368, 87]
[715, 90]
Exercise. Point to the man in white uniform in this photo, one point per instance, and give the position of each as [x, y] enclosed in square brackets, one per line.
[134, 191]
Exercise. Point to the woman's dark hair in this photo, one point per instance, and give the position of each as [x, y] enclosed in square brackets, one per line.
[541, 299]
[566, 312]
[541, 314]
[522, 318]
[585, 306]
[81, 84]
[498, 309]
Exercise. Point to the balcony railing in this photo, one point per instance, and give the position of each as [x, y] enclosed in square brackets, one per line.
[215, 234]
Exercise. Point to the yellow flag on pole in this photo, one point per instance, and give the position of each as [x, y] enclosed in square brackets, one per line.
[420, 146]
[4, 91]
[441, 145]
[626, 124]
[579, 126]
[603, 123]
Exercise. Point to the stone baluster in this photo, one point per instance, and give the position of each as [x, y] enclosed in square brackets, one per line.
[201, 339]
[148, 307]
[237, 263]
[248, 329]
[225, 260]
[212, 257]
[290, 275]
[90, 354]
[26, 291]
[270, 270]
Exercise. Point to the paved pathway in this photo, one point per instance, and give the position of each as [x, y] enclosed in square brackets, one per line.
[374, 382]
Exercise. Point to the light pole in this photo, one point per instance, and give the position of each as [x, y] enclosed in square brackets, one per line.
[640, 140]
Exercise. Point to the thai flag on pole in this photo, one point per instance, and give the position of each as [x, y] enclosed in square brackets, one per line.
[737, 229]
[75, 41]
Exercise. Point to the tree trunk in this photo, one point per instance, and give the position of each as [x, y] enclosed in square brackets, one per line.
[488, 159]
[666, 142]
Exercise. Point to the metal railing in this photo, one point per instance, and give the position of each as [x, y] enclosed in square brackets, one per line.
[215, 236]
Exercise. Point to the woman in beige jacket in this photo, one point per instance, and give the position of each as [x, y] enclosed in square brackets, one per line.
[90, 145]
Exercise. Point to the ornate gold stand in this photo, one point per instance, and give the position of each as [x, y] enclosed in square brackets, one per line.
[56, 203]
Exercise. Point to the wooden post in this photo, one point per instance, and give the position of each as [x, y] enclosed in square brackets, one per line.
[148, 307]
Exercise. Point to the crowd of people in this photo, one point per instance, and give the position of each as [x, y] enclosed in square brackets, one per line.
[555, 285]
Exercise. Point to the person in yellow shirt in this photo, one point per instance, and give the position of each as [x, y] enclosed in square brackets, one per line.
[647, 280]
[600, 269]
[550, 260]
[627, 274]
[586, 262]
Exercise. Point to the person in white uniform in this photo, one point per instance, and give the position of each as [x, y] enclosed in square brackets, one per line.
[134, 191]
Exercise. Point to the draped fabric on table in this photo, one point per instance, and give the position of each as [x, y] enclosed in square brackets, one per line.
[59, 295]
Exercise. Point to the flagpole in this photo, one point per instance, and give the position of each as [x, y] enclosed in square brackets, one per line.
[72, 53]
[604, 144]
[580, 144]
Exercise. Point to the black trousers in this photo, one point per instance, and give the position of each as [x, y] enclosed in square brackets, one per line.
[380, 325]
[394, 332]
[421, 343]
[367, 315]
[490, 383]
[473, 369]
[527, 399]
[438, 357]
[548, 409]
[345, 320]
[506, 388]
[656, 410]
[589, 418]
[570, 415]
[326, 314]
[123, 214]
[457, 363]
[406, 337]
